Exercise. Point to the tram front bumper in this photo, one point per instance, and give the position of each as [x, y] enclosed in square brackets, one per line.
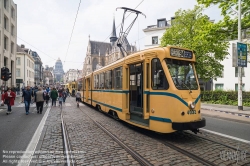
[189, 125]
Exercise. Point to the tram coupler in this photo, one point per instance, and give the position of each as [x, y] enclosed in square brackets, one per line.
[196, 131]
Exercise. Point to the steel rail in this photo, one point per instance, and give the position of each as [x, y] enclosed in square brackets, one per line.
[68, 150]
[134, 154]
[228, 146]
[186, 153]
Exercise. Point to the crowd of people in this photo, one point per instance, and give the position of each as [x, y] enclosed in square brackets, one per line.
[40, 95]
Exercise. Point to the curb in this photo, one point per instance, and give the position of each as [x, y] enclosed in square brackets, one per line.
[227, 112]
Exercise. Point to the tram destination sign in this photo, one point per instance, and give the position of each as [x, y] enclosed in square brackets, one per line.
[176, 52]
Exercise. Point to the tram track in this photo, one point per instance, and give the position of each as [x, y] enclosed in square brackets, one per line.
[133, 153]
[70, 161]
[216, 142]
[203, 150]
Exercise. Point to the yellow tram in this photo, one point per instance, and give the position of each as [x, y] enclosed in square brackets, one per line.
[156, 89]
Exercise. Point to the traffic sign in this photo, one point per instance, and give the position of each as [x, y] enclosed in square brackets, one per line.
[242, 54]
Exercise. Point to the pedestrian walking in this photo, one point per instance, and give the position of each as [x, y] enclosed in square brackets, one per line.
[64, 96]
[54, 95]
[78, 97]
[26, 98]
[60, 99]
[39, 98]
[9, 98]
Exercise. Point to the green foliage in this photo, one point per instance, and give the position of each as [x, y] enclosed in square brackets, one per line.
[224, 97]
[193, 30]
[229, 9]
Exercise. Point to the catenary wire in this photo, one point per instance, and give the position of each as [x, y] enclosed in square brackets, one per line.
[72, 30]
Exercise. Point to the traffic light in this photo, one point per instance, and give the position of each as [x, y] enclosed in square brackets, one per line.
[5, 74]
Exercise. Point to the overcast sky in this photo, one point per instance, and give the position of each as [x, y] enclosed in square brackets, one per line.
[45, 26]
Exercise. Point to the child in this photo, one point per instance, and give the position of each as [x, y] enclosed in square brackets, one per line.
[60, 99]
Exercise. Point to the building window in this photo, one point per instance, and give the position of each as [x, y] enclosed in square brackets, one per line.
[219, 86]
[236, 87]
[12, 13]
[155, 40]
[18, 72]
[6, 23]
[5, 43]
[12, 30]
[161, 23]
[5, 4]
[12, 48]
[18, 61]
[236, 72]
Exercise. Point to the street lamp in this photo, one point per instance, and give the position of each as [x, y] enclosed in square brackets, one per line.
[240, 106]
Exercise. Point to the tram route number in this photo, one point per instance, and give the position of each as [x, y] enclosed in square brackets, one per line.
[181, 53]
[191, 112]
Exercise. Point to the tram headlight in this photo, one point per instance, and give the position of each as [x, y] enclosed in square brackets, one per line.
[192, 105]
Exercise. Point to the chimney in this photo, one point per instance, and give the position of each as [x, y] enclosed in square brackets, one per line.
[22, 46]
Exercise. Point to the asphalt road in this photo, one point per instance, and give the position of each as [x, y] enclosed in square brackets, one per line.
[17, 129]
[228, 127]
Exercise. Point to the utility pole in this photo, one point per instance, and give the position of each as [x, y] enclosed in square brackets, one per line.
[240, 105]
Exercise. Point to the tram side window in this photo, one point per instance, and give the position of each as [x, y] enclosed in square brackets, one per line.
[101, 81]
[96, 81]
[108, 79]
[159, 80]
[118, 78]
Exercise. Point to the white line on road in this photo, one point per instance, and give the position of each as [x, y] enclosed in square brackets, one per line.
[227, 136]
[1, 110]
[27, 156]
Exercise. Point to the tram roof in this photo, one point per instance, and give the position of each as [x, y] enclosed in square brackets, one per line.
[158, 49]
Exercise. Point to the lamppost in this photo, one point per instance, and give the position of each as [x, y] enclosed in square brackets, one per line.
[240, 106]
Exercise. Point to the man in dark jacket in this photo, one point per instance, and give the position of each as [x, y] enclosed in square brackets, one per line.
[26, 98]
[54, 95]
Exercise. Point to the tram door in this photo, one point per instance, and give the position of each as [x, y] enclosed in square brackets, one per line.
[136, 93]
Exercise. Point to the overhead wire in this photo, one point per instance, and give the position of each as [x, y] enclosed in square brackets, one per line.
[72, 30]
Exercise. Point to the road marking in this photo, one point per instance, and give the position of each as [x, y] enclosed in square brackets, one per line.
[1, 110]
[227, 136]
[27, 156]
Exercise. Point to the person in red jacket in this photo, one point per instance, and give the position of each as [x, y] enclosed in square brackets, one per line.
[9, 98]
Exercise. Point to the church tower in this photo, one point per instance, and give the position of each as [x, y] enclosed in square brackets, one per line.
[113, 37]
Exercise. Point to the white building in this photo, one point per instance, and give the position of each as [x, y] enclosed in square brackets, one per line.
[8, 39]
[72, 75]
[229, 80]
[25, 64]
[155, 32]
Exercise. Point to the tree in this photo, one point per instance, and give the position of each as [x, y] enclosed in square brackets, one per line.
[193, 30]
[229, 9]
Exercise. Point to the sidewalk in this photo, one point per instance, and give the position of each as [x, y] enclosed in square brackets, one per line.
[228, 109]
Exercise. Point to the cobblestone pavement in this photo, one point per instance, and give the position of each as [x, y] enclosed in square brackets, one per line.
[152, 150]
[159, 154]
[91, 145]
[213, 152]
[49, 150]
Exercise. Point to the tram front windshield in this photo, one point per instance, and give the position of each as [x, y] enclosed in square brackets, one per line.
[182, 74]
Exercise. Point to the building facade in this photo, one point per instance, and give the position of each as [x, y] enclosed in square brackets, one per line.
[25, 65]
[8, 39]
[100, 54]
[38, 68]
[72, 75]
[155, 32]
[58, 71]
[48, 77]
[229, 79]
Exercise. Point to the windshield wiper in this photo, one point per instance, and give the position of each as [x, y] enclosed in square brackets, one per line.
[187, 87]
